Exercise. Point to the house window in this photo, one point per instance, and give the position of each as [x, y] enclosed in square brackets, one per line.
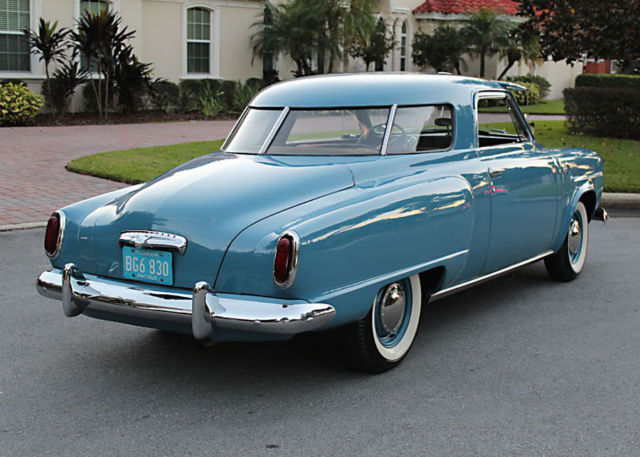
[93, 6]
[198, 40]
[14, 51]
[404, 44]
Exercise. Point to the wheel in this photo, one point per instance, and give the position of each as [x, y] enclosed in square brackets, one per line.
[381, 339]
[567, 263]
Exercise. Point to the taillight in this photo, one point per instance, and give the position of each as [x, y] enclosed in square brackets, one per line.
[53, 235]
[286, 260]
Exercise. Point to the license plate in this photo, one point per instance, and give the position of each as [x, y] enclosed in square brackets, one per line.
[147, 265]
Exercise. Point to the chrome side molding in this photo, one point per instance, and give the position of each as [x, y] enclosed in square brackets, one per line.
[152, 239]
[601, 215]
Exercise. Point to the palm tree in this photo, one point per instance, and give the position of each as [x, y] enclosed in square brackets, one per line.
[522, 45]
[487, 33]
[50, 44]
[308, 29]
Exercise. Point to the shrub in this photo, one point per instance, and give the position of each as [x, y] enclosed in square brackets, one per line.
[190, 91]
[18, 105]
[604, 111]
[89, 97]
[63, 85]
[229, 90]
[165, 96]
[243, 95]
[599, 80]
[132, 80]
[531, 96]
[211, 103]
[543, 84]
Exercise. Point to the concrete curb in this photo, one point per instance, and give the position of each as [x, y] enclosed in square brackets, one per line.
[610, 201]
[23, 226]
[614, 200]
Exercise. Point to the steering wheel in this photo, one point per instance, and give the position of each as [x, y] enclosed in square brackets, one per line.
[380, 129]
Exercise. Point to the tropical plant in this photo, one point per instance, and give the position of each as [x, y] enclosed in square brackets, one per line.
[312, 31]
[18, 105]
[543, 84]
[100, 39]
[522, 44]
[49, 43]
[243, 95]
[442, 50]
[67, 77]
[375, 46]
[132, 80]
[487, 32]
[211, 102]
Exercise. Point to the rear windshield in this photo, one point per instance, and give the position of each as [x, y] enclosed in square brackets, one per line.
[343, 131]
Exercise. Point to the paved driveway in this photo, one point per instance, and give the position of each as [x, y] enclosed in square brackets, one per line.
[34, 182]
[521, 366]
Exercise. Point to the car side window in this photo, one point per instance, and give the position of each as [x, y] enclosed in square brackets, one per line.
[426, 128]
[499, 122]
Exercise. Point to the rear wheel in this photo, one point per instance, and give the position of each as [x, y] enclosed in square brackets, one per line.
[567, 263]
[381, 339]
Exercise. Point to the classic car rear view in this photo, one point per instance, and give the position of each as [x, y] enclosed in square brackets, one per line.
[338, 201]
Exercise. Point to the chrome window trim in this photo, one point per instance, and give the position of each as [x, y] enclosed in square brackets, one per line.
[387, 134]
[235, 128]
[293, 268]
[62, 223]
[274, 130]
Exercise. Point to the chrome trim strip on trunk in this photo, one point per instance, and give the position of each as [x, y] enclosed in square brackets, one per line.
[202, 310]
[151, 239]
[473, 282]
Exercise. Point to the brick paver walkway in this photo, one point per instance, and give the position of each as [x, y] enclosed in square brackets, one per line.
[34, 182]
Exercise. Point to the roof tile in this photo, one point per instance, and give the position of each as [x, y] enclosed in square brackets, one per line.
[467, 6]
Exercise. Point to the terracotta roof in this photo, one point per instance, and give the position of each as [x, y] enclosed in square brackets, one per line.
[467, 6]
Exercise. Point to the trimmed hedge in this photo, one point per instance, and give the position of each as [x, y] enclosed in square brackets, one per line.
[531, 96]
[604, 111]
[543, 84]
[606, 80]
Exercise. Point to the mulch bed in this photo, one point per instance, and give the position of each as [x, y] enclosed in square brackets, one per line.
[45, 120]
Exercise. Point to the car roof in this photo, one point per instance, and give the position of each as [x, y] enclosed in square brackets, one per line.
[372, 89]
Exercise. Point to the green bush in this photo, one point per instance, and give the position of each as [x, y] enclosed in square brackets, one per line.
[600, 80]
[604, 111]
[244, 94]
[18, 105]
[89, 98]
[543, 84]
[531, 96]
[229, 90]
[211, 103]
[165, 96]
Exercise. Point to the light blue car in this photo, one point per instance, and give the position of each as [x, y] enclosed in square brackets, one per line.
[337, 201]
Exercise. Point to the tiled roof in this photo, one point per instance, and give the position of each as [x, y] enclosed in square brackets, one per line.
[467, 6]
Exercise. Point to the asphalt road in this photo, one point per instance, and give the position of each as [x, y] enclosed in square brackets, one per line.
[521, 366]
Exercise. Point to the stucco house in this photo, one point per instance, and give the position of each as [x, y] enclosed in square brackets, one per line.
[186, 39]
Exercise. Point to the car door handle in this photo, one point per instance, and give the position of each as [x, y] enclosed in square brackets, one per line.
[495, 173]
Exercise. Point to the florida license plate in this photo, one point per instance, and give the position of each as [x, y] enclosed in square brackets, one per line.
[147, 265]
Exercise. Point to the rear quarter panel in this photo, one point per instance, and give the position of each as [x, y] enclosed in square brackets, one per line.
[355, 241]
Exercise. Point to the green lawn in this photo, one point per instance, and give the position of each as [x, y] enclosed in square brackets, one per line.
[544, 107]
[621, 157]
[142, 164]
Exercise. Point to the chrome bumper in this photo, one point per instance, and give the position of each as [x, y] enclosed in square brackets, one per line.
[202, 310]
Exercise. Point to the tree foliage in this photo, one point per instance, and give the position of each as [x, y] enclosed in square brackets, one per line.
[521, 44]
[573, 29]
[487, 33]
[313, 33]
[441, 50]
[374, 46]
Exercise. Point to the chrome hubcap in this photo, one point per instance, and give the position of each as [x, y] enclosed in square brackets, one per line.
[575, 237]
[393, 307]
